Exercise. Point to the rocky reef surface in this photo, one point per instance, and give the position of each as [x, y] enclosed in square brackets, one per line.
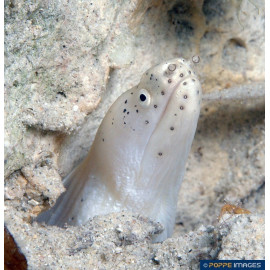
[65, 64]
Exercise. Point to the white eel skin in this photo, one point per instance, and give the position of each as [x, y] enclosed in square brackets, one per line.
[137, 160]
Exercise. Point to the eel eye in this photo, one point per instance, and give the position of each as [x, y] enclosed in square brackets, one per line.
[144, 98]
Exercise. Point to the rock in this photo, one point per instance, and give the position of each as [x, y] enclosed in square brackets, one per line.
[65, 64]
[14, 259]
[122, 240]
[243, 238]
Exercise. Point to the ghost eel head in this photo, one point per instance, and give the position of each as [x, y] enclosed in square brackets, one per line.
[147, 135]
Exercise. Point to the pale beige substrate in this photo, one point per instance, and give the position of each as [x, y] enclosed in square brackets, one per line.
[65, 59]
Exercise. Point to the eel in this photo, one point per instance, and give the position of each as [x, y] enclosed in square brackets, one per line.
[137, 160]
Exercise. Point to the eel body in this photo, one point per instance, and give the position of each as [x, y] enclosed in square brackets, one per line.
[137, 160]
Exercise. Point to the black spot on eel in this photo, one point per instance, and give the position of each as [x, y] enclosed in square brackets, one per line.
[137, 164]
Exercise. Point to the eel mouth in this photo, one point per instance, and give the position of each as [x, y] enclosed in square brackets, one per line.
[162, 116]
[165, 109]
